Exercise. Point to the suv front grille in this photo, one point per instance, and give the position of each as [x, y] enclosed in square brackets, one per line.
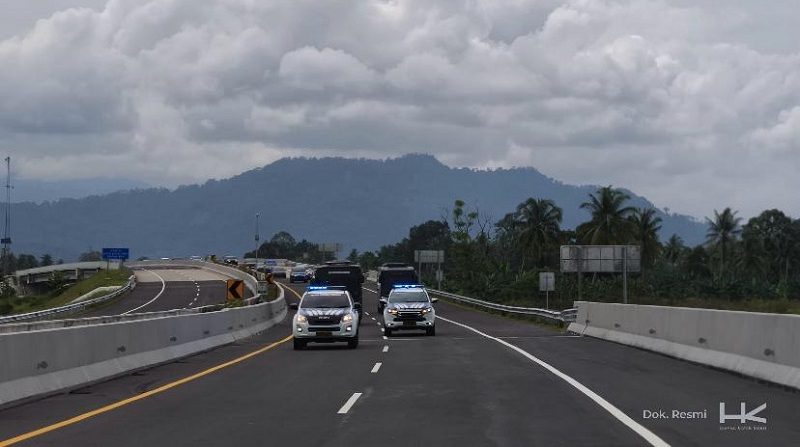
[409, 315]
[324, 319]
[323, 328]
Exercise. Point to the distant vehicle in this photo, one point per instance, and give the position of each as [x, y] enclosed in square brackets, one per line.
[409, 306]
[310, 271]
[230, 260]
[195, 258]
[325, 315]
[166, 259]
[393, 273]
[340, 273]
[298, 274]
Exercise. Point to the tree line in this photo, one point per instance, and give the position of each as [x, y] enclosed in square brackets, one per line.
[757, 258]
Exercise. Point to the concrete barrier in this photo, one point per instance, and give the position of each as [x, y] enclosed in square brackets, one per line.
[37, 363]
[760, 345]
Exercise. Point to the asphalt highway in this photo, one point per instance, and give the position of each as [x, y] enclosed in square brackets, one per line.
[160, 288]
[482, 380]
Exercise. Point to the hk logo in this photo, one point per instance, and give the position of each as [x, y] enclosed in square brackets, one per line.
[743, 416]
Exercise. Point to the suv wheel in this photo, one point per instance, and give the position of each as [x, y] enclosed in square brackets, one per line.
[352, 343]
[387, 332]
[430, 331]
[299, 344]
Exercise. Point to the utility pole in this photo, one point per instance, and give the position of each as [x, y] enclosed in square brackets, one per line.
[6, 240]
[257, 244]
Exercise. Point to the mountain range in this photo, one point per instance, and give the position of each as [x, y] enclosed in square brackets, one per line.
[359, 203]
[26, 190]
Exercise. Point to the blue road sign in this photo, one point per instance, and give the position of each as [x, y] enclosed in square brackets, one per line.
[116, 254]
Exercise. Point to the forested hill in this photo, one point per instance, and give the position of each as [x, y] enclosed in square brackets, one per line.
[360, 203]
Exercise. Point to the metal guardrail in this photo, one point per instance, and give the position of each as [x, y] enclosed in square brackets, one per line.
[566, 316]
[69, 308]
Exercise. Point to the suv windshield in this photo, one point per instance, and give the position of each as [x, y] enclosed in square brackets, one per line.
[320, 301]
[408, 297]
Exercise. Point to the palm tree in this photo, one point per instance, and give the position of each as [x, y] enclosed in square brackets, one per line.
[538, 221]
[646, 225]
[609, 223]
[673, 249]
[722, 231]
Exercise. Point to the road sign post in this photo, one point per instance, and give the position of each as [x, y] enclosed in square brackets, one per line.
[547, 284]
[234, 290]
[622, 259]
[430, 257]
[625, 275]
[115, 254]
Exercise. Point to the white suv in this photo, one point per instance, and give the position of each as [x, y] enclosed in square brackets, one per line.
[408, 307]
[325, 315]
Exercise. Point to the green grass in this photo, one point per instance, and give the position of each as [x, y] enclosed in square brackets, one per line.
[103, 278]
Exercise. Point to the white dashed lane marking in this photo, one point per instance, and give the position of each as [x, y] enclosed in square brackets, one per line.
[376, 368]
[349, 404]
[386, 348]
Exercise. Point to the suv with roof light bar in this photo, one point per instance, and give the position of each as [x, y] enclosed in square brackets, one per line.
[408, 306]
[325, 315]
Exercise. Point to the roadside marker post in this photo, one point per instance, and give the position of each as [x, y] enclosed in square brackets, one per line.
[234, 289]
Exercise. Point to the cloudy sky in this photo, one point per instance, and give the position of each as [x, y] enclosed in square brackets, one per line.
[692, 103]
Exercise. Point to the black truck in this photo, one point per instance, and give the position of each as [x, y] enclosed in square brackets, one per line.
[340, 273]
[391, 274]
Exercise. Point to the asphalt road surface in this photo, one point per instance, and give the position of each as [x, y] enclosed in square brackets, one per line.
[162, 288]
[482, 380]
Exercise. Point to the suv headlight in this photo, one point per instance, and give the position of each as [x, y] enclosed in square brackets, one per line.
[301, 318]
[393, 311]
[347, 318]
[426, 310]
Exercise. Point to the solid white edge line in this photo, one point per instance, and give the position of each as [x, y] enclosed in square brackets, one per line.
[648, 436]
[386, 348]
[163, 286]
[376, 368]
[349, 404]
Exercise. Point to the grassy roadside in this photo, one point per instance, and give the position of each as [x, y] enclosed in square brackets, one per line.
[103, 278]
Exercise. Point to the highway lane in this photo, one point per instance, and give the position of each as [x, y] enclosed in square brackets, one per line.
[160, 288]
[457, 387]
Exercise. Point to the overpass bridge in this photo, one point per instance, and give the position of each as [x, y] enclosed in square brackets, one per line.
[231, 377]
[24, 280]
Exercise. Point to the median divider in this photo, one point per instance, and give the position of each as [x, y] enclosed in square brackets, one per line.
[760, 345]
[57, 358]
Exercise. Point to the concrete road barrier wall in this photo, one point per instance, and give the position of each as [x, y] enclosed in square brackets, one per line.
[37, 363]
[760, 345]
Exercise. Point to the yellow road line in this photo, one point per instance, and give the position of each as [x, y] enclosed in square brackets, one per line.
[285, 288]
[138, 397]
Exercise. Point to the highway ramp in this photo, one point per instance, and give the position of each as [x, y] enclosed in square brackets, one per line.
[460, 387]
[161, 288]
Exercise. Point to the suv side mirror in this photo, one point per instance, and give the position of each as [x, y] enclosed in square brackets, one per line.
[434, 300]
[294, 306]
[383, 301]
[357, 306]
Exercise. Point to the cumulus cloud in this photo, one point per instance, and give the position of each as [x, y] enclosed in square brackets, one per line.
[672, 99]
